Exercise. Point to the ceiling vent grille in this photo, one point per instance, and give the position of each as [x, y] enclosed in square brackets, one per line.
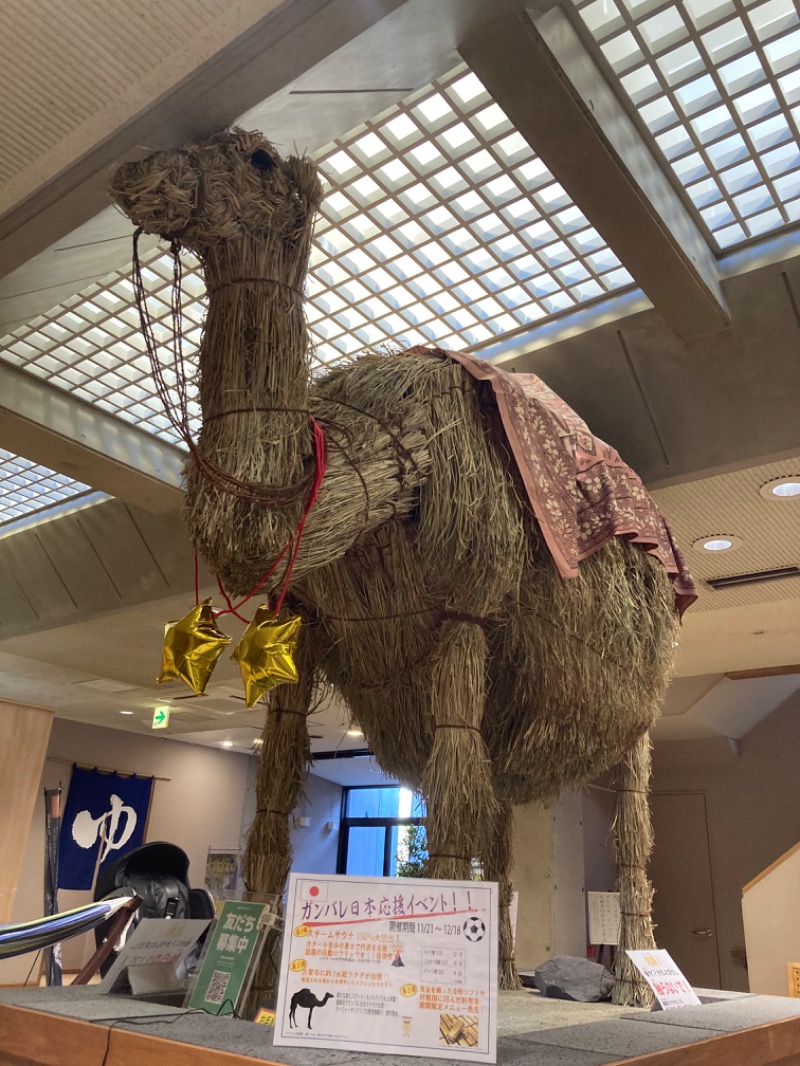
[756, 578]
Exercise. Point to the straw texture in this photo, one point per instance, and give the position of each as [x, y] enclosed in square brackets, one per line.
[430, 601]
[268, 856]
[632, 837]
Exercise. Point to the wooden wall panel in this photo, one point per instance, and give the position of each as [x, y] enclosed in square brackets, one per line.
[24, 734]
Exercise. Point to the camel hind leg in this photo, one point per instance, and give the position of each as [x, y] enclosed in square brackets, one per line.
[496, 853]
[456, 781]
[632, 835]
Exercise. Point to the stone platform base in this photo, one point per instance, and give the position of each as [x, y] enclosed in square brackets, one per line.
[79, 1027]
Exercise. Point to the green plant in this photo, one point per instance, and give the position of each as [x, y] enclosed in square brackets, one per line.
[412, 852]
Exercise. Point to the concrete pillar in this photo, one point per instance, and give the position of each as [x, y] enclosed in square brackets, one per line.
[548, 874]
[24, 735]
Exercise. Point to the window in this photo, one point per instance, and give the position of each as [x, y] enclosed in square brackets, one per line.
[374, 829]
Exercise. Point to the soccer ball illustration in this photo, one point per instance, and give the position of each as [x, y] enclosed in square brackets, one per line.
[474, 929]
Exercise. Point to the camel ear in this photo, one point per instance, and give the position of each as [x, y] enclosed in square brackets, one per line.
[307, 186]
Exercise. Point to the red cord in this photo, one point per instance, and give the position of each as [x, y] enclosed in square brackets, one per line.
[231, 609]
[321, 456]
[321, 462]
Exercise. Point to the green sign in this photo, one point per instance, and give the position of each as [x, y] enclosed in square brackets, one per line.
[228, 957]
[160, 718]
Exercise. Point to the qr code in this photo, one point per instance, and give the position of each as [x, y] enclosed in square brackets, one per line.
[217, 986]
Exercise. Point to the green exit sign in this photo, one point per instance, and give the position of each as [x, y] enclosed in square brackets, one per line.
[161, 718]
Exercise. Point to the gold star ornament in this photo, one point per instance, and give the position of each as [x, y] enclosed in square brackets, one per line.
[265, 654]
[192, 647]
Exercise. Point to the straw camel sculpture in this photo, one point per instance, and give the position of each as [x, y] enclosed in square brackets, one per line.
[479, 675]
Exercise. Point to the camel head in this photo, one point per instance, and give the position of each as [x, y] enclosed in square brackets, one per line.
[231, 186]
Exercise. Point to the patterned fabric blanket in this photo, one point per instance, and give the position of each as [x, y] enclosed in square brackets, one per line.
[581, 491]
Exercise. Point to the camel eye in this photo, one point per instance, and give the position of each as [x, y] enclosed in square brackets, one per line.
[262, 160]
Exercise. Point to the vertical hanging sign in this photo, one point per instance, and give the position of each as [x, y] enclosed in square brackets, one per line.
[394, 965]
[52, 827]
[105, 817]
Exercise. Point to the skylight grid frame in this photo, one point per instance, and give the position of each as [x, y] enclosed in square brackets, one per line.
[719, 192]
[65, 347]
[475, 294]
[28, 489]
[529, 254]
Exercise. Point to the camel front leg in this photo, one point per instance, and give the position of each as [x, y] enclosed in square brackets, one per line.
[456, 782]
[632, 835]
[496, 853]
[283, 768]
[282, 772]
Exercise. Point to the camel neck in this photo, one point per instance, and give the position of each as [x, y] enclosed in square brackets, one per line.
[254, 364]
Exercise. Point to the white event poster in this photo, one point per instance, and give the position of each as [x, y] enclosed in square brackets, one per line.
[670, 987]
[400, 966]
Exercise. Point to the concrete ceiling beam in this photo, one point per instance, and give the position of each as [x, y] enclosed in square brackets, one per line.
[539, 71]
[263, 58]
[51, 427]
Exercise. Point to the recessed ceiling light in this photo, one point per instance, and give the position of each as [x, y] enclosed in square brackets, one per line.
[227, 743]
[781, 488]
[718, 545]
[719, 542]
[126, 712]
[355, 733]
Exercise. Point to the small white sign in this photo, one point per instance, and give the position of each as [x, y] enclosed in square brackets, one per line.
[401, 966]
[604, 917]
[152, 952]
[161, 718]
[669, 986]
[513, 914]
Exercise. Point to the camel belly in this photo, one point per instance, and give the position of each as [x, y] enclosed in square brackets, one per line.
[573, 677]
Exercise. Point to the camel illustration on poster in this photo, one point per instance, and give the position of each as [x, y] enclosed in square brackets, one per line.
[306, 998]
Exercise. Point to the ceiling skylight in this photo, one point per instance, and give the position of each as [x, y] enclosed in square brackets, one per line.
[92, 346]
[440, 227]
[26, 488]
[717, 84]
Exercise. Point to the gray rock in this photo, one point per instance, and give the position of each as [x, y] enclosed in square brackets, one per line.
[566, 977]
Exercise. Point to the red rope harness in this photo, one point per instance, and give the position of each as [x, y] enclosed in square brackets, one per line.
[180, 421]
[293, 543]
